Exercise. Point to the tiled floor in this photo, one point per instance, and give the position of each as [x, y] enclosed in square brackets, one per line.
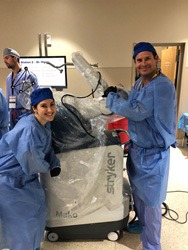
[174, 235]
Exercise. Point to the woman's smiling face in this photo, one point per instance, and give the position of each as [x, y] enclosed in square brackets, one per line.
[45, 111]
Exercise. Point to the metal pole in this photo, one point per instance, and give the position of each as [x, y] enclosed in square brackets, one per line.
[45, 45]
[40, 44]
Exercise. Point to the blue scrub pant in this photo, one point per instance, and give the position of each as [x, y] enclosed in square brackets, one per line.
[150, 219]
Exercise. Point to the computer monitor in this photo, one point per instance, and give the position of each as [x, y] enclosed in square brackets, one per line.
[51, 71]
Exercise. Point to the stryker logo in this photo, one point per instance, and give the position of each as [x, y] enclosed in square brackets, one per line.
[110, 171]
[67, 215]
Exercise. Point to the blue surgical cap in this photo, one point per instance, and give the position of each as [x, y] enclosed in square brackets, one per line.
[40, 95]
[143, 46]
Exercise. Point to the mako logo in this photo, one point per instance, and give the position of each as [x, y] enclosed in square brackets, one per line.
[68, 215]
[110, 173]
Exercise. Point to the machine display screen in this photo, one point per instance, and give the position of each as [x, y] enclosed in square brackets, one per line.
[51, 71]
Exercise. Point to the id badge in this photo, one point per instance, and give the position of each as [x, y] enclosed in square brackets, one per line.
[12, 102]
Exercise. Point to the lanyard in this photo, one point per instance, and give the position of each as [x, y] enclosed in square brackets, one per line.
[141, 83]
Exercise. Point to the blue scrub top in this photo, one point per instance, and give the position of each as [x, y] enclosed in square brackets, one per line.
[26, 149]
[18, 85]
[151, 112]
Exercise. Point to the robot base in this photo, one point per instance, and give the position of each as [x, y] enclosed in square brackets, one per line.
[106, 230]
[89, 199]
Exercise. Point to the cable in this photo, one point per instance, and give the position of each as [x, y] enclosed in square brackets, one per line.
[178, 191]
[81, 97]
[66, 64]
[166, 209]
[169, 211]
[64, 104]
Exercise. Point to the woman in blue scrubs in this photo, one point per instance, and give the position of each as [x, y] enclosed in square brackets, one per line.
[151, 112]
[25, 152]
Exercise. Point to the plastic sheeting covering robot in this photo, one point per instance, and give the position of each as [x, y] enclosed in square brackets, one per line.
[90, 186]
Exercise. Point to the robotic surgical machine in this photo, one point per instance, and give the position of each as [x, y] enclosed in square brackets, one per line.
[90, 198]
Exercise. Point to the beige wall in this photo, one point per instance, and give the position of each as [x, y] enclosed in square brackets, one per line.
[103, 30]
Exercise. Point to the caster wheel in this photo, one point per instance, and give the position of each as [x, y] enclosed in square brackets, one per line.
[113, 236]
[51, 236]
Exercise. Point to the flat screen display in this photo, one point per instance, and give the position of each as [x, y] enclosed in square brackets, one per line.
[51, 71]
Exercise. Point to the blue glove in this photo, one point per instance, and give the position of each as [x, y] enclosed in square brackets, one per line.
[55, 171]
[108, 90]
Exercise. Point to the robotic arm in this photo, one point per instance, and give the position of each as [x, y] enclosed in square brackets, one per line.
[90, 108]
[93, 77]
[95, 107]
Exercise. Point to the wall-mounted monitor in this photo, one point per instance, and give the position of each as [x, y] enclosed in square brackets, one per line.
[51, 71]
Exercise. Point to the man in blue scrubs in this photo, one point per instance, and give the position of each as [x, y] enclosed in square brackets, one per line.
[18, 83]
[151, 113]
